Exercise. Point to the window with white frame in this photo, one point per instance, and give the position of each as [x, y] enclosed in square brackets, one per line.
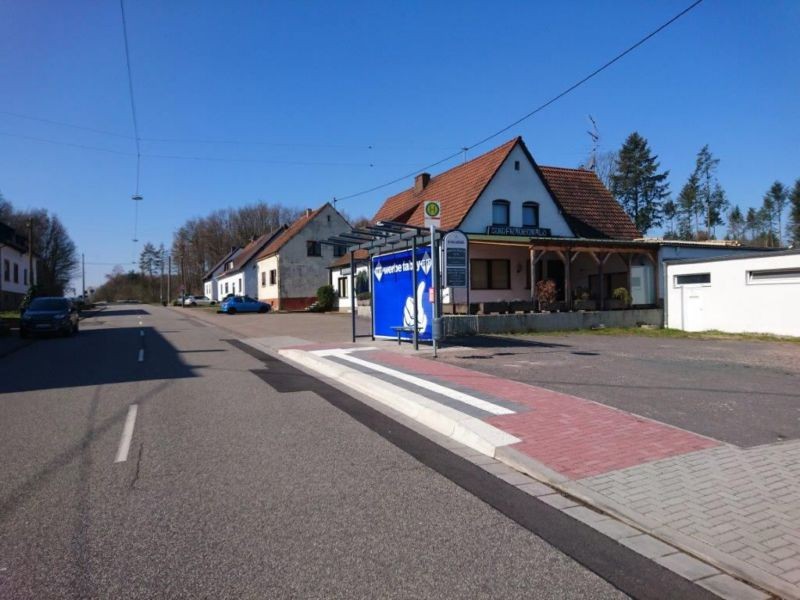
[273, 276]
[693, 279]
[341, 288]
[263, 279]
[787, 275]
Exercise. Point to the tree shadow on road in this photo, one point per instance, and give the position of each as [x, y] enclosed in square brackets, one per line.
[93, 357]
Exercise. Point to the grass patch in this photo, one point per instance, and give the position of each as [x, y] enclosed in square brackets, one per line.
[9, 314]
[671, 334]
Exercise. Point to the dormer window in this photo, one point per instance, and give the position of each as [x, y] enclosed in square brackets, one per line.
[530, 214]
[500, 212]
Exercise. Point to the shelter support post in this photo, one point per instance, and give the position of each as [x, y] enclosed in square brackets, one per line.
[414, 290]
[353, 293]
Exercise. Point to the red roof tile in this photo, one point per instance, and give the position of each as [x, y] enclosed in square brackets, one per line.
[590, 208]
[457, 190]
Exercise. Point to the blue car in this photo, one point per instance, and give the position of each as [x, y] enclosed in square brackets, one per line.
[243, 304]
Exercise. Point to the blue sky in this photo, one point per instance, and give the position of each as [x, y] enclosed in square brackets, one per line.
[336, 97]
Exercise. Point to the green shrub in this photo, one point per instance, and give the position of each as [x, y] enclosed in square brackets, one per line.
[325, 298]
[363, 295]
[623, 295]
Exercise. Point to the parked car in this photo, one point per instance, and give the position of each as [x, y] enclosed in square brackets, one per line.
[198, 301]
[242, 304]
[49, 315]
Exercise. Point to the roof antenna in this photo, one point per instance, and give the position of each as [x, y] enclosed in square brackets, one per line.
[595, 135]
[464, 150]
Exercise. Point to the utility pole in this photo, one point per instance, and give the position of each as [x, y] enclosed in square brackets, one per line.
[183, 282]
[161, 282]
[30, 252]
[83, 277]
[169, 278]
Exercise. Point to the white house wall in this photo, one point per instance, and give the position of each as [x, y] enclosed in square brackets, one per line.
[267, 291]
[21, 260]
[667, 252]
[237, 283]
[342, 303]
[734, 302]
[516, 187]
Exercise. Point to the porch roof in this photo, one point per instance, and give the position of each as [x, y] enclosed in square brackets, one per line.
[563, 243]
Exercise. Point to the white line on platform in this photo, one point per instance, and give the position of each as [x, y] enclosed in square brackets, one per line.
[127, 434]
[141, 354]
[428, 385]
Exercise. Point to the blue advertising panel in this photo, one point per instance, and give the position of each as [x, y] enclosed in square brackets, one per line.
[393, 295]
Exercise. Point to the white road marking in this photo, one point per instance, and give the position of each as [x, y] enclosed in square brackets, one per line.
[423, 383]
[127, 434]
[141, 354]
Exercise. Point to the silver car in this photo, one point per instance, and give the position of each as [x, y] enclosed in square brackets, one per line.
[198, 301]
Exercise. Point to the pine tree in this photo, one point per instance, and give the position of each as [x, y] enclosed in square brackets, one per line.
[736, 224]
[670, 211]
[752, 224]
[690, 208]
[793, 231]
[706, 171]
[778, 195]
[637, 183]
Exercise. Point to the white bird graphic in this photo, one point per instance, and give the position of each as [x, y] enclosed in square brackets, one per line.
[408, 313]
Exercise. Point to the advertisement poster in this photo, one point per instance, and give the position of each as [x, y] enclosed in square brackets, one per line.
[393, 296]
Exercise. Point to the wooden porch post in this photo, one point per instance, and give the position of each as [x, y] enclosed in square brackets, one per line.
[601, 283]
[533, 274]
[629, 262]
[565, 258]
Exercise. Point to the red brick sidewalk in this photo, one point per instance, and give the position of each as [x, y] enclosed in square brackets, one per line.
[573, 436]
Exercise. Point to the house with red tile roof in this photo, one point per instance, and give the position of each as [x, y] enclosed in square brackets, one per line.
[237, 274]
[527, 223]
[295, 263]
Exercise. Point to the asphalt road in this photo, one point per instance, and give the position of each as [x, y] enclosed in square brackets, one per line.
[241, 481]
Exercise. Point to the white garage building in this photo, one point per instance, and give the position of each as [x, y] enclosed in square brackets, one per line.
[758, 293]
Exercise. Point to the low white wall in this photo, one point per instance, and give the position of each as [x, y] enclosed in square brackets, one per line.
[735, 301]
[521, 323]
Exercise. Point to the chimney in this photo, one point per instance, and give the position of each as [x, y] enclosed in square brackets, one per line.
[421, 181]
[308, 212]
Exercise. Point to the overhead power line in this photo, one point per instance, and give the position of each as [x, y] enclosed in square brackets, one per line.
[130, 90]
[528, 115]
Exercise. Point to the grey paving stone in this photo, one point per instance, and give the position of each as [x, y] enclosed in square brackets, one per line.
[481, 459]
[534, 488]
[585, 515]
[615, 529]
[686, 566]
[729, 588]
[558, 501]
[514, 478]
[648, 546]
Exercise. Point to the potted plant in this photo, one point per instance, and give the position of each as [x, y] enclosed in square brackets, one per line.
[546, 294]
[584, 300]
[620, 299]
